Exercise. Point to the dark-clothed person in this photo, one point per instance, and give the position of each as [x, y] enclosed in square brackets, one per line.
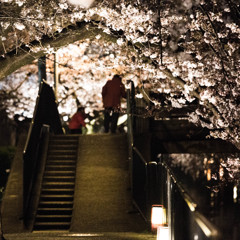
[112, 92]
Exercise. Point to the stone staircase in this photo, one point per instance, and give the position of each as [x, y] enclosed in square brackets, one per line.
[56, 199]
[103, 207]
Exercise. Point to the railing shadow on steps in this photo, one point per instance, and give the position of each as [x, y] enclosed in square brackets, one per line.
[45, 117]
[153, 183]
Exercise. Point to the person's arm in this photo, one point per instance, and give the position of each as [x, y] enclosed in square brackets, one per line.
[104, 90]
[123, 91]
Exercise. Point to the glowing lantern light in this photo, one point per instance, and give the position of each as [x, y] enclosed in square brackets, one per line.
[209, 174]
[235, 194]
[162, 233]
[158, 216]
[221, 172]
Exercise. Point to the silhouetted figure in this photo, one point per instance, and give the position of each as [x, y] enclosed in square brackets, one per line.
[112, 92]
[77, 121]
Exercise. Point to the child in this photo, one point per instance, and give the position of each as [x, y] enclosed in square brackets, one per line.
[77, 121]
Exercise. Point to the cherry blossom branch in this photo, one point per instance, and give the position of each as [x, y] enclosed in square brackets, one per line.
[179, 81]
[194, 93]
[213, 27]
[216, 35]
[37, 49]
[19, 85]
[82, 31]
[160, 30]
[209, 105]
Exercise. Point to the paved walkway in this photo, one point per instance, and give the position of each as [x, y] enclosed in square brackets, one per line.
[102, 205]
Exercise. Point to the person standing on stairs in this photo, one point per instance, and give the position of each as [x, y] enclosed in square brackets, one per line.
[112, 92]
[77, 121]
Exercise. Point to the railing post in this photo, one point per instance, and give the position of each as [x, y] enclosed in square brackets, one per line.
[130, 139]
[42, 75]
[133, 106]
[169, 207]
[56, 75]
[129, 120]
[151, 187]
[130, 111]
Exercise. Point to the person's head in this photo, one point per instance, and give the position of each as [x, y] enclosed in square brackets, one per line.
[80, 109]
[117, 77]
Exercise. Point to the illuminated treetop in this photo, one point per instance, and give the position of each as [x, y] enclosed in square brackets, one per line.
[187, 50]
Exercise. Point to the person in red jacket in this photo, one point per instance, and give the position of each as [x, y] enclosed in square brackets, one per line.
[112, 92]
[77, 121]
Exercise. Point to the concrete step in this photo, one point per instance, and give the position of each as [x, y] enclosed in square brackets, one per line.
[54, 211]
[57, 191]
[56, 167]
[61, 162]
[55, 204]
[60, 185]
[48, 178]
[56, 218]
[63, 141]
[56, 197]
[54, 172]
[61, 157]
[73, 143]
[64, 152]
[65, 136]
[59, 146]
[64, 235]
[64, 192]
[51, 226]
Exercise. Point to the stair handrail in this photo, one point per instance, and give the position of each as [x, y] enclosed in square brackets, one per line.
[45, 113]
[148, 191]
[138, 165]
[207, 227]
[130, 111]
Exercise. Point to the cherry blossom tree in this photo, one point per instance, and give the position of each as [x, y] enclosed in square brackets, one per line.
[187, 50]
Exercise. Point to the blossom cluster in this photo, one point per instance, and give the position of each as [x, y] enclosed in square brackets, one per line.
[186, 50]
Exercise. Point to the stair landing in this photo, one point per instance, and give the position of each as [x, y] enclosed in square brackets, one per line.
[102, 192]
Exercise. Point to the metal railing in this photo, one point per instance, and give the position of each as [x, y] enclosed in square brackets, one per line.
[139, 183]
[184, 219]
[45, 113]
[141, 171]
[154, 183]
